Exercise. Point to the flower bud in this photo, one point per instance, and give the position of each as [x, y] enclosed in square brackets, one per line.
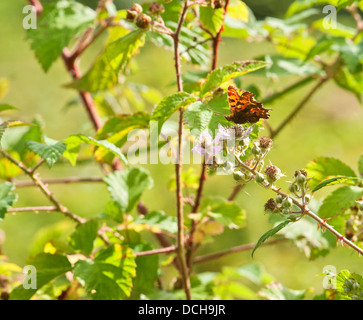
[272, 173]
[270, 205]
[260, 178]
[286, 211]
[131, 15]
[255, 150]
[238, 176]
[156, 8]
[293, 188]
[143, 21]
[278, 198]
[300, 179]
[307, 198]
[287, 202]
[265, 143]
[136, 7]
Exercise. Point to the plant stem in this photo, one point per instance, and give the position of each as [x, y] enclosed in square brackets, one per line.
[217, 39]
[243, 247]
[35, 209]
[65, 180]
[156, 251]
[178, 165]
[43, 187]
[305, 210]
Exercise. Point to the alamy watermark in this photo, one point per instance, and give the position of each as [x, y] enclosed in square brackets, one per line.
[30, 279]
[30, 20]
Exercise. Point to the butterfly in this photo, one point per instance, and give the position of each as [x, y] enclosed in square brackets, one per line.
[244, 108]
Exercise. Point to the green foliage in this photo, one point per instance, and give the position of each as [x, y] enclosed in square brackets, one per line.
[7, 198]
[126, 187]
[58, 24]
[109, 275]
[104, 73]
[324, 167]
[83, 237]
[339, 201]
[51, 151]
[276, 291]
[223, 74]
[270, 233]
[48, 267]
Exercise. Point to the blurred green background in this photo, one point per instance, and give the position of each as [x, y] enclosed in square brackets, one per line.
[331, 124]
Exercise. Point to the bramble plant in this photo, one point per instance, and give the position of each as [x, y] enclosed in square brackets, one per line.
[111, 256]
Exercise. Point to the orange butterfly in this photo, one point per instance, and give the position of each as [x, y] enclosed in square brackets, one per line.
[244, 108]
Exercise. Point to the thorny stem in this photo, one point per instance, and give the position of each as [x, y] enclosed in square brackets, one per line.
[305, 210]
[65, 180]
[43, 187]
[178, 165]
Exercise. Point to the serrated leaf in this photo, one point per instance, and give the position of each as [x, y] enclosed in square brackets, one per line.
[349, 285]
[146, 271]
[337, 180]
[269, 234]
[352, 82]
[50, 152]
[73, 143]
[10, 124]
[228, 72]
[160, 220]
[48, 266]
[325, 167]
[59, 22]
[104, 73]
[7, 198]
[126, 187]
[226, 212]
[339, 201]
[116, 130]
[166, 108]
[83, 237]
[211, 19]
[109, 275]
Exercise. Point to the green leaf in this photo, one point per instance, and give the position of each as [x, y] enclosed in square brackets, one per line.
[166, 108]
[276, 291]
[146, 271]
[48, 266]
[227, 213]
[282, 66]
[73, 144]
[339, 201]
[299, 5]
[344, 3]
[109, 275]
[228, 72]
[352, 82]
[4, 107]
[7, 198]
[322, 168]
[56, 26]
[211, 19]
[116, 130]
[113, 210]
[349, 286]
[126, 187]
[337, 180]
[104, 73]
[305, 235]
[10, 124]
[83, 237]
[360, 165]
[270, 233]
[50, 152]
[159, 219]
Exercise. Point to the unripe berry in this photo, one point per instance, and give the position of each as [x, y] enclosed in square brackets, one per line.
[136, 7]
[259, 177]
[278, 198]
[143, 21]
[255, 150]
[293, 188]
[238, 176]
[287, 202]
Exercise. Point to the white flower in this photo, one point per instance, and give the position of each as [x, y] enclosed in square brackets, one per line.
[207, 145]
[237, 132]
